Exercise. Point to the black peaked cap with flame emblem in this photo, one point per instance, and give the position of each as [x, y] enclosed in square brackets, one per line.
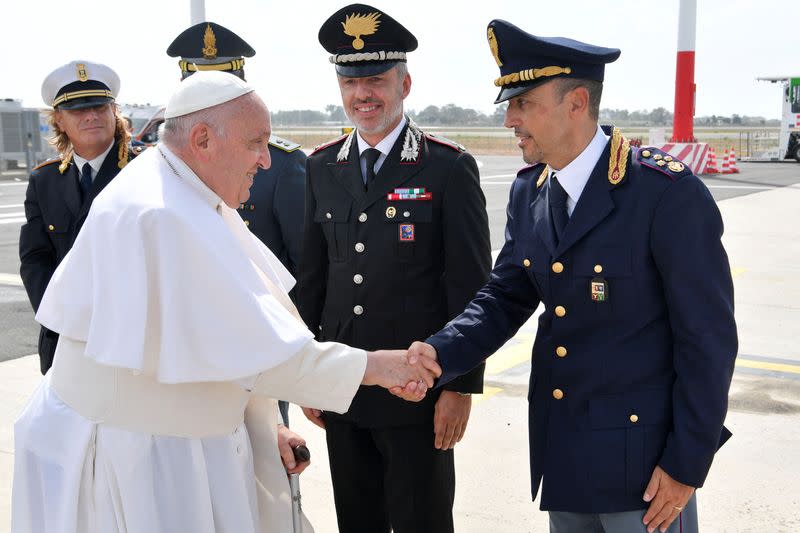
[364, 41]
[210, 46]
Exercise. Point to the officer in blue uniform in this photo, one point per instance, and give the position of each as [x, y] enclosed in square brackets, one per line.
[635, 349]
[274, 211]
[93, 144]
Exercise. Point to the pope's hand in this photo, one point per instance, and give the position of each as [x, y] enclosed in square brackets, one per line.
[419, 353]
[288, 440]
[391, 370]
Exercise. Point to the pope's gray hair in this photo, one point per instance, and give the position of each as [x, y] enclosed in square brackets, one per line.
[177, 129]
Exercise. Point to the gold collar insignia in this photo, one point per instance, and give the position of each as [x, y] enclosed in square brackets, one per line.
[618, 162]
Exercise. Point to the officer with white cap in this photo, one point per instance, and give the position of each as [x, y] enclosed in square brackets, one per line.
[93, 145]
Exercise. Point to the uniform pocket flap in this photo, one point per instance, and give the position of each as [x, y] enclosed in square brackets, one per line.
[631, 409]
[409, 211]
[608, 262]
[333, 213]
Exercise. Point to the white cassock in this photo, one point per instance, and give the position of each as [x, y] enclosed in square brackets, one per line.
[170, 313]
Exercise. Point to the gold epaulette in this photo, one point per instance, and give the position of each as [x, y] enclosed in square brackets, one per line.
[48, 162]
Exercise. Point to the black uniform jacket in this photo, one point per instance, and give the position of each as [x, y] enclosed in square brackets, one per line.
[55, 214]
[378, 273]
[635, 349]
[274, 211]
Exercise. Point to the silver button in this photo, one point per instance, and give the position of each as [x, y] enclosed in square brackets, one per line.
[406, 214]
[358, 279]
[360, 247]
[362, 217]
[358, 310]
[328, 215]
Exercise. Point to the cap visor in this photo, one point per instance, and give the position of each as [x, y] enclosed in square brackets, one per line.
[82, 103]
[362, 71]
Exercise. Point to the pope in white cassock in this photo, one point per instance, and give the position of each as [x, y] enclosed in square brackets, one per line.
[175, 333]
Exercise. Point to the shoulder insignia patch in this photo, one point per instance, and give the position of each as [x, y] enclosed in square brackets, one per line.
[664, 163]
[328, 144]
[446, 142]
[283, 144]
[48, 162]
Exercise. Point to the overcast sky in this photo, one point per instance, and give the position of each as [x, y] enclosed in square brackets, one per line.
[737, 40]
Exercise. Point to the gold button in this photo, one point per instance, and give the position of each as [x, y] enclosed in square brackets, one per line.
[560, 311]
[558, 268]
[247, 223]
[598, 268]
[634, 418]
[645, 153]
[526, 262]
[561, 351]
[558, 394]
[51, 227]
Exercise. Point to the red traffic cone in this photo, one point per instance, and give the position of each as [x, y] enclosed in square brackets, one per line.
[711, 162]
[732, 163]
[726, 169]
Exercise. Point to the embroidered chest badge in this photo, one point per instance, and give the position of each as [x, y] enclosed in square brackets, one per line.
[407, 233]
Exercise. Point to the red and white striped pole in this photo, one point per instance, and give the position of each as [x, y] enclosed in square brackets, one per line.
[683, 126]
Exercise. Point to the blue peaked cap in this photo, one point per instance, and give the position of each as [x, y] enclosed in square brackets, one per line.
[526, 60]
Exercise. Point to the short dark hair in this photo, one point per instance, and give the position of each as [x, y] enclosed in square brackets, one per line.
[593, 87]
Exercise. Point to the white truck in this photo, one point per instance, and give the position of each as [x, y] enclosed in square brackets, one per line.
[789, 139]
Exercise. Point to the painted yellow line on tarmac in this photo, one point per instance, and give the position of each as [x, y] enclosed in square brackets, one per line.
[510, 356]
[764, 365]
[488, 392]
[736, 272]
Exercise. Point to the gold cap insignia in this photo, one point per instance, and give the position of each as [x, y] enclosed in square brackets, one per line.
[645, 153]
[493, 46]
[668, 158]
[661, 162]
[358, 25]
[82, 74]
[658, 157]
[676, 166]
[209, 43]
[391, 212]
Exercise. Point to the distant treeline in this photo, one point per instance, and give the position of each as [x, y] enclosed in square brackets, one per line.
[453, 115]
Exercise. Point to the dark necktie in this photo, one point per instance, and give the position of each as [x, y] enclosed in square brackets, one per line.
[371, 156]
[558, 207]
[86, 180]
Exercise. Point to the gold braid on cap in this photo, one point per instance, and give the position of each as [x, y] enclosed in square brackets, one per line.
[187, 66]
[530, 74]
[618, 163]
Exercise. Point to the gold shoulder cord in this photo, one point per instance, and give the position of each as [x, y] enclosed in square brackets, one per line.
[64, 165]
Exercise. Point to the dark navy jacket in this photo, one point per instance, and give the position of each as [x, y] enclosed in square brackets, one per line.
[379, 273]
[618, 386]
[55, 213]
[274, 211]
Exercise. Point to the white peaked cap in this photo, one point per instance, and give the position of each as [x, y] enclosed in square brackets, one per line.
[205, 89]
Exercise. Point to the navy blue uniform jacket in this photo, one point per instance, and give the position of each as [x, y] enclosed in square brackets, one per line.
[274, 211]
[55, 213]
[643, 377]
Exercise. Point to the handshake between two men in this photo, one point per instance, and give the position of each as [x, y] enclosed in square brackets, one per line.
[407, 374]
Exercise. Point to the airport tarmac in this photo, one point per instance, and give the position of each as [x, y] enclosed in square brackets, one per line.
[753, 482]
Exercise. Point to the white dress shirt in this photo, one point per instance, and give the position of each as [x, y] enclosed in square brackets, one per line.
[384, 147]
[95, 163]
[574, 176]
